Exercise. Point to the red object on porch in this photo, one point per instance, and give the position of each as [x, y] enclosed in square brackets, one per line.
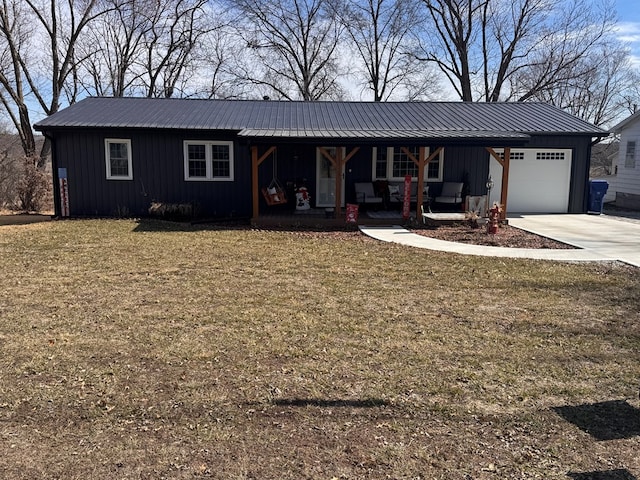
[274, 195]
[352, 213]
[406, 204]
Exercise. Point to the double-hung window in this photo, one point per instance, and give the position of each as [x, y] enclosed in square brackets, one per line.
[393, 163]
[208, 160]
[630, 154]
[118, 159]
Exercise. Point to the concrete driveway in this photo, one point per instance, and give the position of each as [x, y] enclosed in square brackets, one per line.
[616, 238]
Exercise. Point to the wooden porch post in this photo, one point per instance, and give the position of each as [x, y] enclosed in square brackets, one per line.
[338, 163]
[504, 162]
[422, 161]
[255, 163]
[505, 182]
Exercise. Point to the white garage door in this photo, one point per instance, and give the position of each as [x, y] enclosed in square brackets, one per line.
[539, 180]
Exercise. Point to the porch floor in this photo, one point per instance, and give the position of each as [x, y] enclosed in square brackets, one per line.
[318, 218]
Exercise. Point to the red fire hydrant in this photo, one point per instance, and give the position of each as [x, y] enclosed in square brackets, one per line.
[494, 218]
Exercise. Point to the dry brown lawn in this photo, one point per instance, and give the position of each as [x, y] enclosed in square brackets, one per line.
[153, 350]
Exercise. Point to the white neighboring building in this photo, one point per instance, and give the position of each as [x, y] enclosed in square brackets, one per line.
[627, 181]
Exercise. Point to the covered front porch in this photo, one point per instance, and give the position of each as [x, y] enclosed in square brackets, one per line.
[329, 171]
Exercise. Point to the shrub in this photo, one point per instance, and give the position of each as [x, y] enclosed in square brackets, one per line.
[34, 187]
[9, 177]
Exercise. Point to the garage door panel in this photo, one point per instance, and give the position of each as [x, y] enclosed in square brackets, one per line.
[539, 181]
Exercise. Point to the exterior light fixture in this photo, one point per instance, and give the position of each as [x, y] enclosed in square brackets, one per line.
[489, 186]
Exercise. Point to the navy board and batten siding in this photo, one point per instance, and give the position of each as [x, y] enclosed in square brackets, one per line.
[158, 174]
[158, 171]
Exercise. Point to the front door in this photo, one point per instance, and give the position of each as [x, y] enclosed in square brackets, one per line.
[326, 179]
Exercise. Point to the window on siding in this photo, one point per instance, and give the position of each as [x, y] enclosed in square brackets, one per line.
[197, 158]
[393, 163]
[381, 163]
[402, 164]
[118, 159]
[514, 155]
[208, 160]
[630, 155]
[549, 155]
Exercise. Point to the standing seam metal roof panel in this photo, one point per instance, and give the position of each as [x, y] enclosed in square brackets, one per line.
[312, 117]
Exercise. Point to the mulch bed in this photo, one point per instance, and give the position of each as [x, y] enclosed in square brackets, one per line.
[507, 236]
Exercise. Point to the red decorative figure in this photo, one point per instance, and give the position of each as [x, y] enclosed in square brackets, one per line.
[494, 218]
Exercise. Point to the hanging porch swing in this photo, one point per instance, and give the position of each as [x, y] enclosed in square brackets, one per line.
[274, 194]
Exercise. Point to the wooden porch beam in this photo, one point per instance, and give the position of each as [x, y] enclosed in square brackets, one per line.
[325, 153]
[351, 154]
[328, 156]
[255, 163]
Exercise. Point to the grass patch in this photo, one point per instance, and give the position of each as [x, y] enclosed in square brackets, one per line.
[155, 350]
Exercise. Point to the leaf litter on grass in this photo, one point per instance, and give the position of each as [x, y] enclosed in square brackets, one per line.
[150, 351]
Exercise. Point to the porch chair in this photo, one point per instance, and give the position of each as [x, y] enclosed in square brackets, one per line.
[451, 193]
[365, 194]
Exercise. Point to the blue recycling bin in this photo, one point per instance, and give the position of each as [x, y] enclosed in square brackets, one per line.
[597, 191]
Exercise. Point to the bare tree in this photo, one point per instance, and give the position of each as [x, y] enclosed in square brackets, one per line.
[144, 48]
[10, 171]
[451, 39]
[380, 32]
[219, 59]
[484, 47]
[294, 47]
[111, 48]
[603, 157]
[578, 30]
[62, 23]
[599, 88]
[174, 29]
[631, 98]
[57, 25]
[16, 33]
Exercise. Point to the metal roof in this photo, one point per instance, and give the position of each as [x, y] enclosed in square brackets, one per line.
[263, 118]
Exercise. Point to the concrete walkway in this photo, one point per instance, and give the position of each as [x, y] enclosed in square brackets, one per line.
[599, 238]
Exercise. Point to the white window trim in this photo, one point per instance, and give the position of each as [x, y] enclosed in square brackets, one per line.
[398, 179]
[209, 161]
[107, 157]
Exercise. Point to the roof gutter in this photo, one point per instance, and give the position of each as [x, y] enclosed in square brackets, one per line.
[599, 139]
